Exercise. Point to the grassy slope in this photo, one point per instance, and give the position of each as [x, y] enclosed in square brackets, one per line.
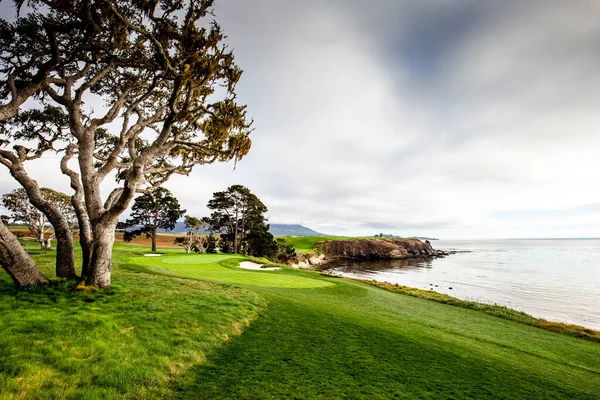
[133, 341]
[316, 337]
[306, 244]
[341, 338]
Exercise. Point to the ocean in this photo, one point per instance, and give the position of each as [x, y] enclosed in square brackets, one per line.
[555, 279]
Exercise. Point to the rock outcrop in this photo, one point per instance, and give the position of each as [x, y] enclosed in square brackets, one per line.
[379, 249]
[368, 249]
[308, 261]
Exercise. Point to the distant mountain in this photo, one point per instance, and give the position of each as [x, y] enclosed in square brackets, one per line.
[293, 230]
[276, 230]
[179, 228]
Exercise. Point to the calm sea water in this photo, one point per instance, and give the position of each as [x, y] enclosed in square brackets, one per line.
[558, 279]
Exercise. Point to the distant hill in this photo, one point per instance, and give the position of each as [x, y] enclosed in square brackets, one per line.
[276, 230]
[179, 228]
[293, 230]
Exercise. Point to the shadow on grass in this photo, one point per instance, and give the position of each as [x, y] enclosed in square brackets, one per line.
[294, 352]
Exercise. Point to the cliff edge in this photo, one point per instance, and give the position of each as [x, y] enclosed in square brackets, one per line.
[379, 249]
[367, 249]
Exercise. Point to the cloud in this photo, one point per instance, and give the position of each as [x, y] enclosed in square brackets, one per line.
[431, 118]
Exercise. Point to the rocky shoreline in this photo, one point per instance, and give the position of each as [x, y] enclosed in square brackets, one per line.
[368, 249]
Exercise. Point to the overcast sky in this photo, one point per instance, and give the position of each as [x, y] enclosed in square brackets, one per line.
[453, 119]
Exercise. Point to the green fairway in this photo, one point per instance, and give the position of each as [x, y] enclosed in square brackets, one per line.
[353, 340]
[270, 334]
[222, 268]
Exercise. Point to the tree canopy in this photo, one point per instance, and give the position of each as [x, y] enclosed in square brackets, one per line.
[239, 216]
[150, 212]
[23, 211]
[168, 85]
[235, 213]
[195, 238]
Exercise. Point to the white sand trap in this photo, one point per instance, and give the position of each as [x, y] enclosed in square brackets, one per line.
[256, 267]
[152, 255]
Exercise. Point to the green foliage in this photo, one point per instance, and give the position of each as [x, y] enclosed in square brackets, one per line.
[194, 240]
[17, 202]
[151, 211]
[285, 252]
[211, 244]
[259, 242]
[239, 216]
[225, 247]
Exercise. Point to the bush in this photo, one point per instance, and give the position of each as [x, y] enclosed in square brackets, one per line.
[285, 252]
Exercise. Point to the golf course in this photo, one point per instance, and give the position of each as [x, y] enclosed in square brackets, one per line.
[197, 326]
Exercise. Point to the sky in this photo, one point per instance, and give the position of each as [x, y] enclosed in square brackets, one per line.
[457, 119]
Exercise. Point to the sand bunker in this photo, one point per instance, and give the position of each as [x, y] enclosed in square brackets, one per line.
[152, 255]
[256, 267]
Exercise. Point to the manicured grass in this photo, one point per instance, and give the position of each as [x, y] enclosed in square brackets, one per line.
[359, 343]
[349, 339]
[306, 244]
[307, 336]
[222, 268]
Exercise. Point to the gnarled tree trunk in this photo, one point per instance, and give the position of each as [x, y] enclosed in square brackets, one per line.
[65, 258]
[83, 219]
[154, 239]
[101, 257]
[85, 241]
[15, 260]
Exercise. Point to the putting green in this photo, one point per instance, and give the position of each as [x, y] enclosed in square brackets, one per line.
[224, 269]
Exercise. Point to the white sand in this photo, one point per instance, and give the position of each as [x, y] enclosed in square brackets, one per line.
[256, 267]
[152, 255]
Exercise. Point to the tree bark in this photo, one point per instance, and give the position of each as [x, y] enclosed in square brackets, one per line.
[154, 239]
[86, 242]
[235, 235]
[65, 257]
[83, 219]
[9, 110]
[17, 262]
[85, 236]
[101, 257]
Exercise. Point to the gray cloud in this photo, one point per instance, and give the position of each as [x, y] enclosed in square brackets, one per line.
[426, 117]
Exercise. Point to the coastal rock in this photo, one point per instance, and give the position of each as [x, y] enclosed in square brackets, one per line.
[367, 249]
[308, 261]
[379, 249]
